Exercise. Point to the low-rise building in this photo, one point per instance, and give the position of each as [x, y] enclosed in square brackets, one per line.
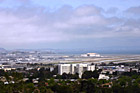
[103, 76]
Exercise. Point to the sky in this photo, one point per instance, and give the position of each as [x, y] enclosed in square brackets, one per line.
[70, 24]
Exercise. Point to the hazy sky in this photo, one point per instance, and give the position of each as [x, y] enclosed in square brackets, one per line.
[70, 24]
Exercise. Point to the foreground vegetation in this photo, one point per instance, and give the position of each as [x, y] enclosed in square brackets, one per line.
[126, 83]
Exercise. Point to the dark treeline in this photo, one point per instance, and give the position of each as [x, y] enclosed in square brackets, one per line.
[128, 82]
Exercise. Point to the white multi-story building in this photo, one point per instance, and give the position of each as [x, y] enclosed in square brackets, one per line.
[81, 68]
[64, 68]
[75, 68]
[90, 67]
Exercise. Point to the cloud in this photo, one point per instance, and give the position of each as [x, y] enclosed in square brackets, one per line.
[112, 10]
[35, 24]
[134, 10]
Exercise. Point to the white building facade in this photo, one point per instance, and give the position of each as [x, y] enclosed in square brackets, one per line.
[75, 68]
